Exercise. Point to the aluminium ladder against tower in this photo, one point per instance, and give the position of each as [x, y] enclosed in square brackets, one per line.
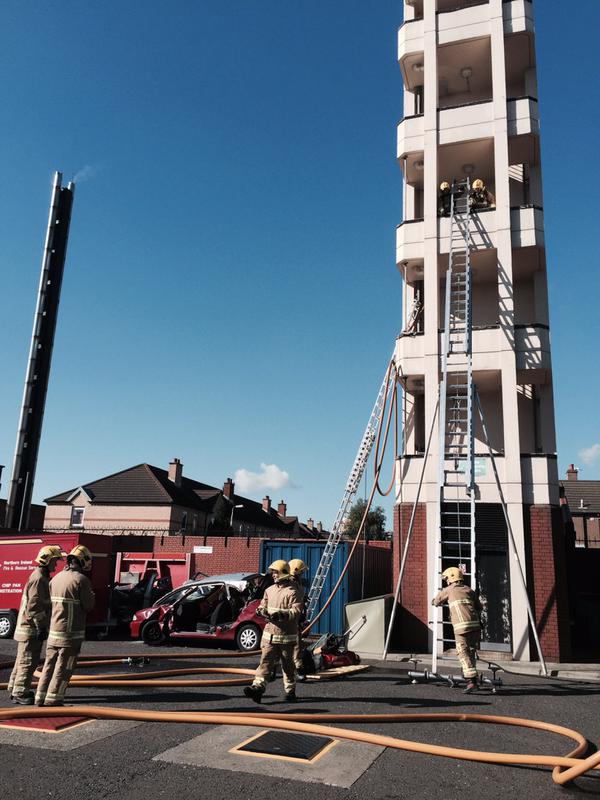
[352, 485]
[455, 544]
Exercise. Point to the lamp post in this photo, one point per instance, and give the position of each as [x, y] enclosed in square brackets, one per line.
[233, 508]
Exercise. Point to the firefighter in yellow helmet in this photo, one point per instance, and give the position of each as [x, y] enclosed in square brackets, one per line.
[72, 598]
[445, 199]
[32, 624]
[281, 606]
[465, 610]
[479, 196]
[297, 570]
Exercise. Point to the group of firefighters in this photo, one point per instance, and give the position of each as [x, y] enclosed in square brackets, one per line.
[55, 610]
[479, 196]
[52, 611]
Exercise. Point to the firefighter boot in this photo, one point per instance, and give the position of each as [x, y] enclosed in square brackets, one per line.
[290, 697]
[26, 699]
[254, 693]
[470, 687]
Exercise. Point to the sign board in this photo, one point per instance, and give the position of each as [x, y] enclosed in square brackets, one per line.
[201, 549]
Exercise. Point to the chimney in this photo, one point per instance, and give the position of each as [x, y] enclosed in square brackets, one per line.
[310, 523]
[175, 470]
[267, 503]
[282, 509]
[228, 489]
[320, 527]
[572, 472]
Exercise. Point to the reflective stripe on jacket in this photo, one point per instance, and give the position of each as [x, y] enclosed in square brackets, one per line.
[464, 607]
[34, 612]
[72, 597]
[283, 597]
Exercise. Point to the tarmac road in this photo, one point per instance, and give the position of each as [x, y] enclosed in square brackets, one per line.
[121, 764]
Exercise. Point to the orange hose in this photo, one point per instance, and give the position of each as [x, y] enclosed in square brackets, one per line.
[573, 767]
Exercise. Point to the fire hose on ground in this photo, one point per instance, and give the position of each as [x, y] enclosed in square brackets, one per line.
[564, 768]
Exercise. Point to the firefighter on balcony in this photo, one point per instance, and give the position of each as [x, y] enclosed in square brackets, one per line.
[32, 625]
[479, 196]
[72, 598]
[445, 199]
[297, 569]
[281, 606]
[465, 609]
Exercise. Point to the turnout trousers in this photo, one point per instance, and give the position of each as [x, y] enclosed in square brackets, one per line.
[58, 668]
[28, 657]
[467, 645]
[271, 653]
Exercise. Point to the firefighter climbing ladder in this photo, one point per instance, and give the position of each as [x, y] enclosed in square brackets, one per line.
[455, 545]
[352, 485]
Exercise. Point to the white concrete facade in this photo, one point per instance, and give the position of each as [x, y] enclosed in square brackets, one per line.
[483, 126]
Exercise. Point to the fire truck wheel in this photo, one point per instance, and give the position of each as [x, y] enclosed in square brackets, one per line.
[7, 624]
[152, 633]
[248, 637]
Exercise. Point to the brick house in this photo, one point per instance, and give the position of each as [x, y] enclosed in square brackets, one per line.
[148, 499]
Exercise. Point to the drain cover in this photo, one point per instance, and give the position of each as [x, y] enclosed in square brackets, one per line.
[285, 745]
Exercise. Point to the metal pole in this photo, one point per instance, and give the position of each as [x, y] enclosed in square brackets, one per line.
[512, 538]
[40, 356]
[408, 537]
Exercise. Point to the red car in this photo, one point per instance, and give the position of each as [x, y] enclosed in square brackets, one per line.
[220, 608]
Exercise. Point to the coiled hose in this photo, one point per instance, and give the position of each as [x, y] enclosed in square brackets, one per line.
[564, 768]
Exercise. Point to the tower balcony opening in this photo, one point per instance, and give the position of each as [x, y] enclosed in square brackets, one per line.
[413, 77]
[485, 299]
[473, 159]
[464, 73]
[519, 52]
[412, 166]
[413, 10]
[445, 6]
[413, 414]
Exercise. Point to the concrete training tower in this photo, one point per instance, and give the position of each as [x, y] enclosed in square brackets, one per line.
[471, 112]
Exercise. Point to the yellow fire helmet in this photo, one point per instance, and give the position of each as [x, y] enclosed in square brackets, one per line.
[444, 186]
[48, 553]
[281, 567]
[453, 575]
[83, 555]
[478, 184]
[297, 567]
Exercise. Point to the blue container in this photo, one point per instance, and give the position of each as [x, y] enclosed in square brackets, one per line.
[332, 620]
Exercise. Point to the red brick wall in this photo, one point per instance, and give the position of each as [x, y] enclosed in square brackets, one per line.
[412, 629]
[547, 571]
[230, 554]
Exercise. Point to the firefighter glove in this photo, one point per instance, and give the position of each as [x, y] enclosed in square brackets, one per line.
[42, 634]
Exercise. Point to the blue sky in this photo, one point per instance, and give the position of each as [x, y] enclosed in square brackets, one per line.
[230, 295]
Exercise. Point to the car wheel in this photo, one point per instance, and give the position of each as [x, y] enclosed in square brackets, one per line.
[152, 633]
[8, 624]
[248, 637]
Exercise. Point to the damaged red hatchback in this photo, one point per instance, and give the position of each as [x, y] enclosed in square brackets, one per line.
[220, 608]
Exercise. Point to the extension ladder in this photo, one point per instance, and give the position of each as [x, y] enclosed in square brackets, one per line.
[455, 546]
[352, 485]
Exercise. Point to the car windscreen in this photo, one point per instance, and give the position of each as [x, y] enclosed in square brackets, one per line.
[172, 597]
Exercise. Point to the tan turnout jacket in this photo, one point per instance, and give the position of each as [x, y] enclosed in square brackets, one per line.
[72, 597]
[34, 612]
[464, 607]
[282, 596]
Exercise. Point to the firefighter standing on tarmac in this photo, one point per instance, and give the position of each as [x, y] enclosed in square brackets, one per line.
[297, 570]
[281, 606]
[465, 609]
[32, 625]
[72, 597]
